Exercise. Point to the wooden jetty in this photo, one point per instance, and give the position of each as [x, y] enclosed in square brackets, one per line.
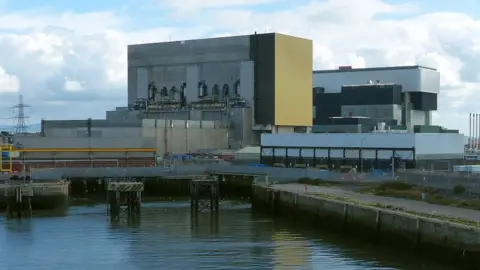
[124, 197]
[204, 194]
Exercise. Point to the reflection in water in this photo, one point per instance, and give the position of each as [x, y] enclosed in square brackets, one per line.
[168, 236]
[205, 224]
[290, 250]
[22, 226]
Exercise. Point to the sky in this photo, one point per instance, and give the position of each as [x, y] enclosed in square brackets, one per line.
[68, 58]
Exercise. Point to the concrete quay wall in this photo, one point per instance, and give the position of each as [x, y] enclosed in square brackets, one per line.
[46, 196]
[438, 238]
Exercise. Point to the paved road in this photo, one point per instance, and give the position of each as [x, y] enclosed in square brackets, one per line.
[408, 205]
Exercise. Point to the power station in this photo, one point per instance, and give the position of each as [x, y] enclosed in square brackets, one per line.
[185, 96]
[259, 90]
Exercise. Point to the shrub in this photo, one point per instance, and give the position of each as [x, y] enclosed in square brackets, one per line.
[458, 189]
[306, 181]
[394, 186]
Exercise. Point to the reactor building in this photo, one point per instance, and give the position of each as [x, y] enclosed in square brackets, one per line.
[251, 84]
[184, 96]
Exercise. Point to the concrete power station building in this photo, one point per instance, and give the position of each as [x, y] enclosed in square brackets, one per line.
[401, 97]
[370, 118]
[184, 96]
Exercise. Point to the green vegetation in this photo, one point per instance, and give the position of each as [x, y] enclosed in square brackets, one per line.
[389, 207]
[412, 192]
[397, 189]
[317, 182]
[458, 189]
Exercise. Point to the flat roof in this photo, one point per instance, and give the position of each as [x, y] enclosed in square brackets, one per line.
[373, 69]
[211, 38]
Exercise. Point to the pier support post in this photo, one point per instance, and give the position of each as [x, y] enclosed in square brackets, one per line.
[204, 194]
[124, 197]
[19, 203]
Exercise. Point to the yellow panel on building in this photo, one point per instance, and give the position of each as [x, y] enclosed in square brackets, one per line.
[293, 81]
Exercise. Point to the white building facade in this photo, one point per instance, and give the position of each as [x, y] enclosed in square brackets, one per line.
[370, 150]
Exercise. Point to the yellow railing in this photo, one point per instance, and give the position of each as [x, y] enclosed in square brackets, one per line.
[6, 148]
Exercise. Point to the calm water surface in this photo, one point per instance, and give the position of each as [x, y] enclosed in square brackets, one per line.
[168, 237]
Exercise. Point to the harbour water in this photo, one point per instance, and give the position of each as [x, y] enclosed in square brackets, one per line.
[167, 236]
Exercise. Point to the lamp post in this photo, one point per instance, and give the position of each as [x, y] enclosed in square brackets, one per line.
[393, 167]
[361, 153]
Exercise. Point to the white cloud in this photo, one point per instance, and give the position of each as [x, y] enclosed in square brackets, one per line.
[73, 86]
[188, 7]
[8, 83]
[42, 48]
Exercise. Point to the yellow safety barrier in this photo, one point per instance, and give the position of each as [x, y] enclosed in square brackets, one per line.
[8, 149]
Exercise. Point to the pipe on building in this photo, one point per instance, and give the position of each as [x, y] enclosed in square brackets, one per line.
[470, 145]
[469, 129]
[42, 128]
[475, 130]
[89, 127]
[474, 138]
[478, 132]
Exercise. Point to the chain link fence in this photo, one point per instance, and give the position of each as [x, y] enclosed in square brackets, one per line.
[442, 180]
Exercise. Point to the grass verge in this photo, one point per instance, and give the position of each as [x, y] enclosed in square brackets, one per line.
[461, 221]
[413, 192]
[396, 189]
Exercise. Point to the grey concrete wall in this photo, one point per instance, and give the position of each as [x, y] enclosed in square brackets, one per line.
[377, 221]
[241, 123]
[122, 115]
[185, 136]
[112, 122]
[183, 140]
[214, 60]
[190, 51]
[95, 132]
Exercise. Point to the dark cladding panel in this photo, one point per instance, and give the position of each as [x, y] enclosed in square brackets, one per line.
[397, 95]
[371, 95]
[422, 101]
[327, 105]
[368, 122]
[262, 52]
[316, 91]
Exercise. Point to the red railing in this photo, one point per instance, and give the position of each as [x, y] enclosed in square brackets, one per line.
[131, 162]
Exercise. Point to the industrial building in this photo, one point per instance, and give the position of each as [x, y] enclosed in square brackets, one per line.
[233, 92]
[364, 151]
[184, 96]
[370, 118]
[356, 100]
[252, 84]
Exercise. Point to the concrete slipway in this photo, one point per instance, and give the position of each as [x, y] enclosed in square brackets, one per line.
[443, 231]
